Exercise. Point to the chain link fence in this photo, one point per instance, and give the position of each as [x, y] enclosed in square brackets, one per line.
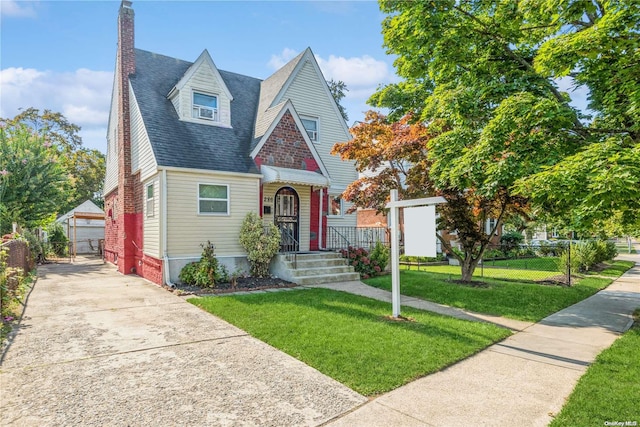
[540, 263]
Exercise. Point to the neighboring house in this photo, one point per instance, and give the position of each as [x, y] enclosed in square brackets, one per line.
[84, 227]
[192, 149]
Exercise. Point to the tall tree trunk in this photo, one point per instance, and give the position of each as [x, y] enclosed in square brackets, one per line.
[468, 266]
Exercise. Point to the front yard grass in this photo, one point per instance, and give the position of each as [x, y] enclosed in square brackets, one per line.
[610, 390]
[349, 337]
[491, 272]
[516, 300]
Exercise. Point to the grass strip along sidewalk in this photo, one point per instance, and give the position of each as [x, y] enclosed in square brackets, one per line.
[523, 300]
[350, 338]
[609, 392]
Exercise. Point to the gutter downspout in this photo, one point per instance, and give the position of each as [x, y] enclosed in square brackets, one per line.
[165, 257]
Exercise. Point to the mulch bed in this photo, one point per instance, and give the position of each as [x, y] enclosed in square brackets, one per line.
[243, 284]
[559, 280]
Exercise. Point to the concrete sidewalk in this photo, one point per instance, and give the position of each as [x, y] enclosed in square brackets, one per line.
[99, 348]
[522, 380]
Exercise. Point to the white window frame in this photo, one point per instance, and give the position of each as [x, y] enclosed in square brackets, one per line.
[150, 201]
[215, 111]
[228, 199]
[334, 196]
[490, 223]
[317, 131]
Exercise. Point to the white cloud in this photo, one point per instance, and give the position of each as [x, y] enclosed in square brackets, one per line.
[17, 9]
[82, 96]
[359, 71]
[279, 60]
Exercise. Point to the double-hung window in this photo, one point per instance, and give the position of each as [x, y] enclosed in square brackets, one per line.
[205, 106]
[150, 200]
[336, 206]
[213, 199]
[311, 126]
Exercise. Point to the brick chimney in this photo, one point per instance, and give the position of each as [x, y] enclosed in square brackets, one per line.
[126, 222]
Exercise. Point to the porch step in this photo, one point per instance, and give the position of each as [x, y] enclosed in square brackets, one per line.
[327, 278]
[315, 268]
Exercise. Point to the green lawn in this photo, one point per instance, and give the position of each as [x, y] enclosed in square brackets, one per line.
[614, 268]
[610, 390]
[453, 271]
[348, 338]
[523, 301]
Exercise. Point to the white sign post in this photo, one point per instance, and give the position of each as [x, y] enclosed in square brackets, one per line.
[427, 236]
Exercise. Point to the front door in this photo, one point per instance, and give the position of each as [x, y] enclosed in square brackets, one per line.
[286, 219]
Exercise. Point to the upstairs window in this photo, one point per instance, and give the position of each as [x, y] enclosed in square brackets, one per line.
[311, 126]
[205, 106]
[213, 199]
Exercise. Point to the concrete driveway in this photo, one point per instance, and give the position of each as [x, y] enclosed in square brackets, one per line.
[98, 348]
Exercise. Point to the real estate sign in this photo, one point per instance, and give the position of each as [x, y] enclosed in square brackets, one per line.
[420, 231]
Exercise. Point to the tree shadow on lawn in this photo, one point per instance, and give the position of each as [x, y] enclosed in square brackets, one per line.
[356, 308]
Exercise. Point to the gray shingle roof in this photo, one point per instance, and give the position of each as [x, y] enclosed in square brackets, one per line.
[183, 144]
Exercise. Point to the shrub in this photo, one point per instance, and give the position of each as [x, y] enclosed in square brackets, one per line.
[380, 255]
[261, 245]
[35, 247]
[585, 254]
[564, 263]
[58, 240]
[360, 260]
[511, 240]
[206, 272]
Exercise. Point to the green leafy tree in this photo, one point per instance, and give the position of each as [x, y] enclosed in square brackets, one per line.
[338, 89]
[33, 184]
[84, 167]
[486, 75]
[483, 77]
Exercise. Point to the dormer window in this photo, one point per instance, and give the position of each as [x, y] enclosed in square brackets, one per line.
[205, 106]
[311, 126]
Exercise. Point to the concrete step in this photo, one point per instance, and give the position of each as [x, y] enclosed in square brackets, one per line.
[321, 270]
[327, 278]
[313, 263]
[318, 255]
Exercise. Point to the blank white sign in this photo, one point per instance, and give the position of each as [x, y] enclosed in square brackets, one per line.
[420, 231]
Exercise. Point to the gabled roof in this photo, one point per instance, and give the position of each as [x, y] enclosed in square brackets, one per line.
[183, 144]
[204, 58]
[86, 207]
[271, 87]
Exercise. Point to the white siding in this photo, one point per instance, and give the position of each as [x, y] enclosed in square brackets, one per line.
[151, 224]
[142, 158]
[304, 209]
[111, 172]
[187, 229]
[309, 98]
[205, 80]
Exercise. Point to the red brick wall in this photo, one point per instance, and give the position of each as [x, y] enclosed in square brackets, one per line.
[369, 218]
[286, 147]
[123, 231]
[150, 268]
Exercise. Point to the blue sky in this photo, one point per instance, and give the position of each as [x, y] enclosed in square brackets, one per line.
[60, 55]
